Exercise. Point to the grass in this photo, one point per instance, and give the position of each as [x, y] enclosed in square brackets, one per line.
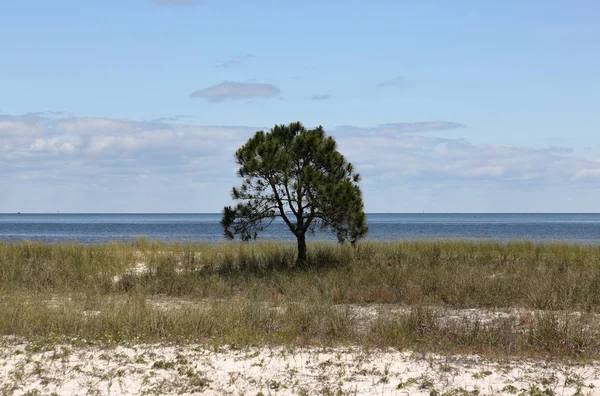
[455, 274]
[255, 294]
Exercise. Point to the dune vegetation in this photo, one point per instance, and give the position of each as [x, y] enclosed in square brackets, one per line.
[517, 299]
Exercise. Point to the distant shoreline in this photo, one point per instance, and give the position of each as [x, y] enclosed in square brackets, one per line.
[369, 213]
[105, 227]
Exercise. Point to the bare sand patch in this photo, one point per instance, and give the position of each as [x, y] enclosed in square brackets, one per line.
[226, 370]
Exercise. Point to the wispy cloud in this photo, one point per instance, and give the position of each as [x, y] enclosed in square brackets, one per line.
[175, 118]
[394, 82]
[234, 62]
[47, 113]
[403, 127]
[230, 90]
[561, 150]
[178, 2]
[320, 97]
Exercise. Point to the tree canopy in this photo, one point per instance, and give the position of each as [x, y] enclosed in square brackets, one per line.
[296, 174]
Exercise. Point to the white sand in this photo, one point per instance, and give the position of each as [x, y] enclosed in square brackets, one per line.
[188, 369]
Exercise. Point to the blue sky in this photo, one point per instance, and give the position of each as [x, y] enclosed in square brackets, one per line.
[443, 106]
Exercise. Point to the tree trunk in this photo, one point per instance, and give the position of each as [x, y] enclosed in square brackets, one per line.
[301, 249]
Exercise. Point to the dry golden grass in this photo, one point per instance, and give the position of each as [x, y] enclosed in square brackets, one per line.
[254, 294]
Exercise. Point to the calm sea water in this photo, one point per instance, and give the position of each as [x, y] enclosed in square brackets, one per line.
[99, 228]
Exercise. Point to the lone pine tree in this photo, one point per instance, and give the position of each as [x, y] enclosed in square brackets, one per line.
[296, 174]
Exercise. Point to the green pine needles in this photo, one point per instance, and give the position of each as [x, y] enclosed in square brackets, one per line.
[296, 174]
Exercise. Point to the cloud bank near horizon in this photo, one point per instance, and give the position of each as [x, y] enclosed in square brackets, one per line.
[98, 164]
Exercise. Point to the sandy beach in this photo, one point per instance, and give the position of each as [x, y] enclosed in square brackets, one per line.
[162, 369]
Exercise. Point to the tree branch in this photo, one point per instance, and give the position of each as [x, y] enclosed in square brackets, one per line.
[281, 211]
[289, 199]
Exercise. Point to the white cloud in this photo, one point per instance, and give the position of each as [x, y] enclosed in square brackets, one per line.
[100, 143]
[401, 158]
[19, 126]
[561, 150]
[492, 171]
[53, 144]
[125, 154]
[388, 149]
[7, 126]
[588, 174]
[230, 90]
[67, 148]
[92, 125]
[105, 148]
[38, 145]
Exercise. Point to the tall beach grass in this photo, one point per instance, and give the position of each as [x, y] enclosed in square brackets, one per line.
[255, 293]
[452, 273]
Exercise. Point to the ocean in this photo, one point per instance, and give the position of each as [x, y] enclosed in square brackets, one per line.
[102, 228]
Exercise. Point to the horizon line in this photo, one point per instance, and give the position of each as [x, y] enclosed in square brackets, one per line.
[219, 213]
